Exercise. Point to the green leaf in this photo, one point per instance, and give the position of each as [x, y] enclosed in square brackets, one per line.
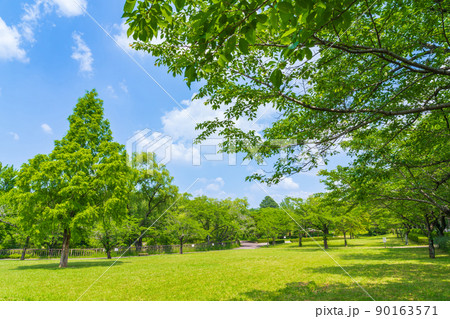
[262, 18]
[179, 4]
[129, 32]
[308, 53]
[250, 36]
[230, 45]
[285, 7]
[243, 45]
[129, 6]
[288, 32]
[292, 46]
[276, 78]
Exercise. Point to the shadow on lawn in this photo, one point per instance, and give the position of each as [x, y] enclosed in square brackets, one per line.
[404, 254]
[303, 291]
[391, 275]
[71, 265]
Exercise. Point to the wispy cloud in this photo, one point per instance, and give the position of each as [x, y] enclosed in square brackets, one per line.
[111, 91]
[15, 136]
[12, 38]
[82, 53]
[46, 128]
[123, 86]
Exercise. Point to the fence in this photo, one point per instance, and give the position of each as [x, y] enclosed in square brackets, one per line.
[132, 251]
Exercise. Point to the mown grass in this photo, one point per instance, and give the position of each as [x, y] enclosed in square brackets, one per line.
[284, 272]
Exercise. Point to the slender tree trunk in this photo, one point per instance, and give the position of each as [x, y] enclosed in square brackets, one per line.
[108, 253]
[24, 250]
[273, 241]
[325, 238]
[65, 249]
[431, 251]
[300, 235]
[406, 237]
[181, 244]
[139, 244]
[345, 239]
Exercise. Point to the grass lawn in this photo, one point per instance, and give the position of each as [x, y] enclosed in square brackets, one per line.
[283, 272]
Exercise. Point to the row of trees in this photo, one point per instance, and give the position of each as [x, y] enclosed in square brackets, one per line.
[86, 192]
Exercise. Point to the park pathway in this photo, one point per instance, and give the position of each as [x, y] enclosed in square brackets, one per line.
[250, 245]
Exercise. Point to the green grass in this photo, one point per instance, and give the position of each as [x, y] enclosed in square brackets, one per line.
[283, 272]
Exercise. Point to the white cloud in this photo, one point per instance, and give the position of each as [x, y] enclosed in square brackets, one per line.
[14, 135]
[111, 91]
[286, 188]
[288, 184]
[70, 8]
[180, 123]
[216, 185]
[30, 19]
[212, 188]
[82, 53]
[46, 128]
[182, 153]
[123, 86]
[10, 41]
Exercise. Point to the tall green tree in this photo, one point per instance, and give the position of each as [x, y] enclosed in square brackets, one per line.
[268, 202]
[81, 181]
[153, 193]
[181, 222]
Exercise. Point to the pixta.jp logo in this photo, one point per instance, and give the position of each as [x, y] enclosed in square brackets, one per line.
[146, 141]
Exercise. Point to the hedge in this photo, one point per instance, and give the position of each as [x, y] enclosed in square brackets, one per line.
[418, 239]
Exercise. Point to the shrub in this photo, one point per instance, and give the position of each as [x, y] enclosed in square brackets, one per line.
[15, 256]
[443, 242]
[418, 239]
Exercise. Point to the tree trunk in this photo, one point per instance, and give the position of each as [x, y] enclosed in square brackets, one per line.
[300, 235]
[65, 249]
[273, 241]
[139, 244]
[345, 239]
[108, 253]
[431, 251]
[406, 237]
[27, 241]
[181, 244]
[325, 238]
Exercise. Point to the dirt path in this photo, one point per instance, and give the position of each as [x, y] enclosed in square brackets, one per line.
[250, 245]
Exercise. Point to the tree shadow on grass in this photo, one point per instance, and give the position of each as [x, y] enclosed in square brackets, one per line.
[390, 254]
[72, 265]
[398, 280]
[306, 291]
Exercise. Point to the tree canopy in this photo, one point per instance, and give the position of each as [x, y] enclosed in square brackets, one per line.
[330, 68]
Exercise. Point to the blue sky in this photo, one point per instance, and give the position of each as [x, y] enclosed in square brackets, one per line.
[52, 52]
